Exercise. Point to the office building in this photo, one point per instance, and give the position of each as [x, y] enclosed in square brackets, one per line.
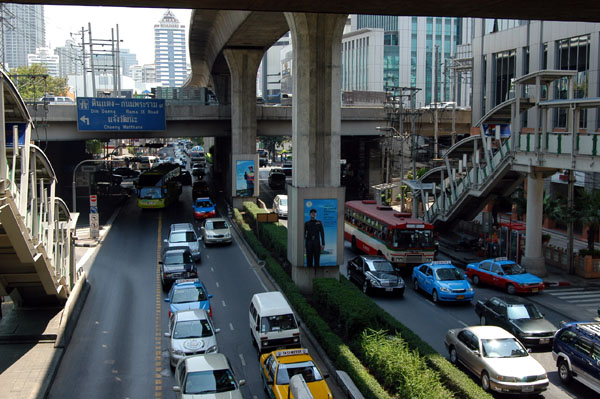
[269, 72]
[43, 56]
[170, 55]
[23, 31]
[70, 61]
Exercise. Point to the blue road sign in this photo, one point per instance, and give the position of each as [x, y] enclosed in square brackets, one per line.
[120, 114]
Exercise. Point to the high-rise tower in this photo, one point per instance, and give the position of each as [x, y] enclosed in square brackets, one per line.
[170, 51]
[22, 32]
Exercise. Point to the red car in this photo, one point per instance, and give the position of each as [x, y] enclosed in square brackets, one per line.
[505, 274]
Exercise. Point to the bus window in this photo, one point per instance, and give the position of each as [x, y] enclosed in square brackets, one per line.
[413, 238]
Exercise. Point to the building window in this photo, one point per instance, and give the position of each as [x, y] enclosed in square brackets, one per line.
[573, 54]
[504, 75]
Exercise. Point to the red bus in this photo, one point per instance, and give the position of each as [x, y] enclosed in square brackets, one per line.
[380, 230]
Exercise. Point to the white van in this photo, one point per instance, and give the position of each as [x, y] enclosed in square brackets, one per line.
[272, 322]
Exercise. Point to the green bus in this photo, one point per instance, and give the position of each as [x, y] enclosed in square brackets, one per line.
[159, 186]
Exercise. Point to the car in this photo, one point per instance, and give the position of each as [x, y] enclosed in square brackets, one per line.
[505, 274]
[208, 376]
[576, 351]
[126, 173]
[176, 263]
[518, 316]
[188, 294]
[198, 170]
[375, 273]
[443, 281]
[49, 99]
[287, 168]
[280, 205]
[191, 332]
[204, 208]
[277, 178]
[216, 231]
[183, 234]
[497, 358]
[278, 367]
[185, 178]
[200, 188]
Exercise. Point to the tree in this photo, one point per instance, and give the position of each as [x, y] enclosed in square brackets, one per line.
[33, 82]
[588, 213]
[270, 142]
[554, 208]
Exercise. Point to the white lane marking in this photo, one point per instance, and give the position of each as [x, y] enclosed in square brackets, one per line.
[582, 296]
[463, 323]
[224, 304]
[431, 303]
[249, 263]
[217, 284]
[211, 269]
[242, 360]
[586, 300]
[231, 326]
[566, 291]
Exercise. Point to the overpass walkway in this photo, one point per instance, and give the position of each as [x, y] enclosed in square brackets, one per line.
[36, 262]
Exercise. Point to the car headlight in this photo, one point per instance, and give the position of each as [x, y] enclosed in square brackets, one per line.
[470, 289]
[178, 352]
[375, 282]
[507, 379]
[212, 349]
[444, 289]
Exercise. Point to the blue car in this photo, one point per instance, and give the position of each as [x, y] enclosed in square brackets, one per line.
[204, 208]
[505, 274]
[188, 294]
[443, 281]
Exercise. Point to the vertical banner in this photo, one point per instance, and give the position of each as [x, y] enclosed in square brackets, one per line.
[245, 176]
[326, 215]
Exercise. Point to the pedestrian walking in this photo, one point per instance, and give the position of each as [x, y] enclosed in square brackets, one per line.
[314, 239]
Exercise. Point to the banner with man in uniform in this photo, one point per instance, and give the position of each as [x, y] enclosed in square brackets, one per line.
[320, 232]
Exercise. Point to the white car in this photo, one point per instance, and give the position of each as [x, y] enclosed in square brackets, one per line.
[191, 332]
[206, 376]
[216, 231]
[280, 205]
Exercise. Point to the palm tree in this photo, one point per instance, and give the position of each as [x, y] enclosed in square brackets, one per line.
[588, 213]
[554, 208]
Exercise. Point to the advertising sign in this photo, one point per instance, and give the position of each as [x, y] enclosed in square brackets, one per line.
[490, 130]
[120, 114]
[325, 215]
[10, 134]
[244, 178]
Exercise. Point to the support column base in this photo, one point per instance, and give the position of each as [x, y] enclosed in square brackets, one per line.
[238, 202]
[303, 276]
[535, 265]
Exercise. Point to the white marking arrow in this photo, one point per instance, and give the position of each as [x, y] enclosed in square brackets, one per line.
[85, 120]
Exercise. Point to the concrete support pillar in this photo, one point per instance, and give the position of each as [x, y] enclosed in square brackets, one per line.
[534, 258]
[243, 65]
[222, 88]
[316, 125]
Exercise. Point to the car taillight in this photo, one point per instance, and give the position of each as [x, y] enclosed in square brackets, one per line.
[169, 313]
[210, 311]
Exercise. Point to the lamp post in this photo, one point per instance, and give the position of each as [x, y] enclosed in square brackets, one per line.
[75, 171]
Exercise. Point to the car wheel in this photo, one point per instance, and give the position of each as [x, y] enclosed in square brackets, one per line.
[485, 381]
[476, 280]
[365, 287]
[453, 355]
[416, 285]
[434, 296]
[511, 289]
[482, 320]
[564, 372]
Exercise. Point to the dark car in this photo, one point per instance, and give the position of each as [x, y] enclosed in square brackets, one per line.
[287, 168]
[276, 178]
[176, 263]
[200, 189]
[198, 170]
[375, 273]
[519, 317]
[185, 178]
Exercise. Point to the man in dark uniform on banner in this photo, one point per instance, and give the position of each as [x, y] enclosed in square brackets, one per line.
[314, 239]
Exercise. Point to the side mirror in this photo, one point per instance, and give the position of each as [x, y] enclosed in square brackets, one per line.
[166, 240]
[257, 327]
[326, 375]
[210, 296]
[476, 353]
[160, 262]
[176, 388]
[168, 335]
[200, 238]
[500, 273]
[241, 382]
[167, 300]
[217, 330]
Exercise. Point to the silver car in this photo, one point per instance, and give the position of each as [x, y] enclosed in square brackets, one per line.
[495, 356]
[280, 205]
[206, 376]
[216, 231]
[184, 235]
[191, 332]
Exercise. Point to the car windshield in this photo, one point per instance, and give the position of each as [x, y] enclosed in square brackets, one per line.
[210, 381]
[182, 236]
[309, 371]
[190, 294]
[192, 329]
[278, 323]
[503, 347]
[413, 238]
[150, 193]
[283, 201]
[382, 266]
[216, 225]
[525, 311]
[177, 258]
[203, 204]
[512, 268]
[448, 273]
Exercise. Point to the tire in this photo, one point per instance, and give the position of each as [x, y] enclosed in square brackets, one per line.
[365, 287]
[485, 381]
[482, 320]
[511, 289]
[564, 372]
[416, 285]
[434, 296]
[453, 355]
[476, 280]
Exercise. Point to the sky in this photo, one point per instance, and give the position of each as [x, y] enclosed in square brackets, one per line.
[136, 26]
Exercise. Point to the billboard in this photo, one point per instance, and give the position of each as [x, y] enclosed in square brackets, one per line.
[244, 178]
[120, 114]
[326, 215]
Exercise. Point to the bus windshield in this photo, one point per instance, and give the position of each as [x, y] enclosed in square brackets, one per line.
[150, 193]
[413, 239]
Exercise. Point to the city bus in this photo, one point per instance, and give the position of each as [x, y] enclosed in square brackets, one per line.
[159, 186]
[381, 230]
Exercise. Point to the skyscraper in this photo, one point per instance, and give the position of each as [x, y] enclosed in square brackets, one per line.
[70, 59]
[170, 54]
[43, 56]
[23, 31]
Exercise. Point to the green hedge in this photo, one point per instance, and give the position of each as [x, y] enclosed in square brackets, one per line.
[341, 354]
[274, 234]
[343, 298]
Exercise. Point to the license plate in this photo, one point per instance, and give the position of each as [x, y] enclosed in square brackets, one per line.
[389, 289]
[460, 297]
[528, 388]
[534, 289]
[544, 340]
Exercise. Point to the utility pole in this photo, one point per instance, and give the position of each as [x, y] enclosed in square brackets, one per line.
[5, 16]
[435, 110]
[92, 60]
[118, 64]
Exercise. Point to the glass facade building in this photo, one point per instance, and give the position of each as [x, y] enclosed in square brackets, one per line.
[170, 52]
[24, 32]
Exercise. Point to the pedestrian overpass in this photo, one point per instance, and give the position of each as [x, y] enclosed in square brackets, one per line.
[36, 251]
[486, 166]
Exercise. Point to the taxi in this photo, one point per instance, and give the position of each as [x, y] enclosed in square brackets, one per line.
[443, 281]
[279, 366]
[505, 274]
[204, 208]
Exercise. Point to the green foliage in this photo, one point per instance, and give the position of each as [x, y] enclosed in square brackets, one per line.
[269, 143]
[588, 213]
[594, 252]
[33, 82]
[93, 146]
[554, 208]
